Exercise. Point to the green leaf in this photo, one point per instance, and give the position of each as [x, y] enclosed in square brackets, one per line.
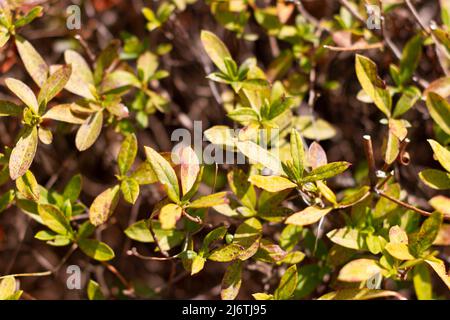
[24, 93]
[169, 215]
[95, 249]
[165, 173]
[8, 108]
[54, 84]
[73, 188]
[422, 282]
[248, 236]
[435, 179]
[81, 80]
[89, 131]
[6, 199]
[441, 153]
[32, 60]
[243, 115]
[94, 292]
[232, 280]
[410, 58]
[103, 206]
[144, 174]
[215, 49]
[127, 153]
[54, 219]
[259, 155]
[210, 200]
[424, 238]
[307, 216]
[28, 186]
[326, 171]
[130, 190]
[272, 183]
[105, 59]
[63, 113]
[226, 253]
[139, 231]
[298, 152]
[439, 110]
[214, 235]
[407, 100]
[23, 153]
[287, 285]
[29, 17]
[372, 84]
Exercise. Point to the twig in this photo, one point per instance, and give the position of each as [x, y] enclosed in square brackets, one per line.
[192, 218]
[417, 16]
[368, 149]
[407, 205]
[133, 252]
[113, 270]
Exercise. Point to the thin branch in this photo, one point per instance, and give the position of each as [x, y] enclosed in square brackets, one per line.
[368, 148]
[113, 270]
[133, 252]
[407, 205]
[417, 16]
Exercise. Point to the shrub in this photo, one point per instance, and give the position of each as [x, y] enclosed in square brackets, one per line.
[298, 191]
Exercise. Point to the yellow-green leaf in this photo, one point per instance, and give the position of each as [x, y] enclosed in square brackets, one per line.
[165, 173]
[259, 155]
[209, 201]
[94, 292]
[34, 64]
[127, 153]
[359, 270]
[54, 84]
[441, 153]
[326, 171]
[89, 131]
[226, 253]
[272, 183]
[372, 84]
[23, 153]
[63, 113]
[103, 206]
[287, 285]
[422, 282]
[307, 216]
[215, 49]
[130, 190]
[28, 186]
[169, 215]
[231, 282]
[439, 110]
[81, 79]
[24, 93]
[399, 251]
[189, 168]
[54, 219]
[435, 179]
[95, 249]
[439, 267]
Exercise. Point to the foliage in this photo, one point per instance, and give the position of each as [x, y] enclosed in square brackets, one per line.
[287, 210]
